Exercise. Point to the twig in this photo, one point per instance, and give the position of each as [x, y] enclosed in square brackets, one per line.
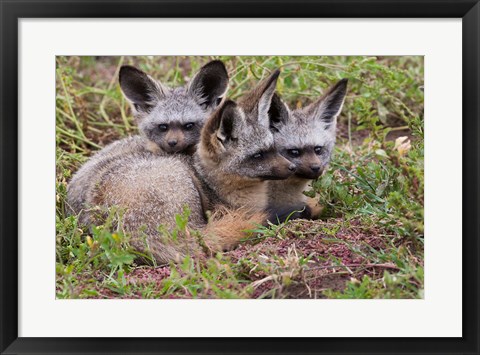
[385, 266]
[85, 140]
[110, 86]
[342, 67]
[73, 117]
[257, 283]
[400, 128]
[350, 130]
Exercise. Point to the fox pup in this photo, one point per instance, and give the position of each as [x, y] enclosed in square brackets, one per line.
[234, 158]
[305, 137]
[170, 120]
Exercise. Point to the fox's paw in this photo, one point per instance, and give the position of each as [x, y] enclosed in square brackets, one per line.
[315, 208]
[277, 215]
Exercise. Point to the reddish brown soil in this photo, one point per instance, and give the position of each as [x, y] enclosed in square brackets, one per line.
[332, 261]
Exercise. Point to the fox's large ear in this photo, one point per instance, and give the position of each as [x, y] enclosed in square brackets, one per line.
[225, 131]
[221, 124]
[328, 107]
[266, 89]
[140, 89]
[210, 84]
[258, 101]
[278, 113]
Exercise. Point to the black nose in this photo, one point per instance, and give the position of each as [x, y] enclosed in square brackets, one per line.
[292, 167]
[172, 143]
[315, 168]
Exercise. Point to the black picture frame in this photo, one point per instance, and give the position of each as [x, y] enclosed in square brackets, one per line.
[12, 11]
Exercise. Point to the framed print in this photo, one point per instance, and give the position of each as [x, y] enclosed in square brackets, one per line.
[235, 177]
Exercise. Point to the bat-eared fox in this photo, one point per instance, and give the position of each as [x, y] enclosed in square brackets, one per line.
[170, 120]
[306, 137]
[226, 175]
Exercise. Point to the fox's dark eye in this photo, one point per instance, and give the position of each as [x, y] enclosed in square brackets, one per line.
[189, 126]
[163, 127]
[294, 152]
[257, 155]
[318, 150]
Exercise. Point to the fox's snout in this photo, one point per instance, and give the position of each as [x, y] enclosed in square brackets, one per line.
[310, 167]
[315, 168]
[174, 141]
[282, 168]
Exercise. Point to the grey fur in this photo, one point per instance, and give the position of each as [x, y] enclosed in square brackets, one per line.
[173, 117]
[303, 130]
[152, 188]
[88, 176]
[154, 104]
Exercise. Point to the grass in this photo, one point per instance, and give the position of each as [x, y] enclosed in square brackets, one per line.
[369, 242]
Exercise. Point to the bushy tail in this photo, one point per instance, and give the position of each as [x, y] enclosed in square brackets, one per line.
[227, 227]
